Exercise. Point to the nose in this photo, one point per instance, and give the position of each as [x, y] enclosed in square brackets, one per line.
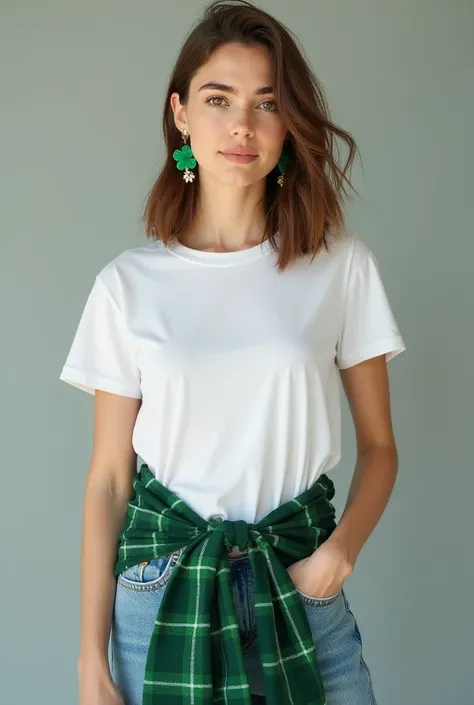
[242, 125]
[242, 132]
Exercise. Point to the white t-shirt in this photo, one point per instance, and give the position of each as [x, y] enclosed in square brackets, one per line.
[236, 364]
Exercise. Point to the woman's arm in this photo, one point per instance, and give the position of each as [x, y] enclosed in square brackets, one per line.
[368, 393]
[108, 489]
[367, 388]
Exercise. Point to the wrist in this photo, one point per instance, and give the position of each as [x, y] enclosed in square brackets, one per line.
[343, 547]
[93, 665]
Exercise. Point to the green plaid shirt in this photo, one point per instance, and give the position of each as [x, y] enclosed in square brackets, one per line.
[195, 656]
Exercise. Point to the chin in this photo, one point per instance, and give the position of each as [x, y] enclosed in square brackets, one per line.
[241, 180]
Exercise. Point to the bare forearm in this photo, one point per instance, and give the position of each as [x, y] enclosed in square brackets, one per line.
[104, 512]
[372, 484]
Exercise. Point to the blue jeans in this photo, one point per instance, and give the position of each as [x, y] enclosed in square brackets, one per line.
[139, 592]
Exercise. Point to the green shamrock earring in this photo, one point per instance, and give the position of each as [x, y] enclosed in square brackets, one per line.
[282, 164]
[185, 159]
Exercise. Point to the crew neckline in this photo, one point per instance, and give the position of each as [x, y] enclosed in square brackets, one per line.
[248, 254]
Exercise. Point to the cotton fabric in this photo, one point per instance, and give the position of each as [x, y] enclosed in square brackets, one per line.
[235, 363]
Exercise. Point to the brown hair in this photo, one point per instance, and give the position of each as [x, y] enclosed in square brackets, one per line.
[309, 203]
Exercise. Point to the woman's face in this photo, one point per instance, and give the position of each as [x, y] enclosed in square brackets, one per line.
[241, 113]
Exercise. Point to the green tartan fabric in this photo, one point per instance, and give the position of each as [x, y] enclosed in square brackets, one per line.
[195, 655]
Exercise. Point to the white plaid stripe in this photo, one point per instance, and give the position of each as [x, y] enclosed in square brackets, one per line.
[203, 553]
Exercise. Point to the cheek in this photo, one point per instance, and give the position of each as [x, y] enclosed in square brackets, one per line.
[272, 145]
[206, 120]
[207, 132]
[271, 133]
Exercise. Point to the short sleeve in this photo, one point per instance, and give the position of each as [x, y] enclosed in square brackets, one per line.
[101, 355]
[369, 327]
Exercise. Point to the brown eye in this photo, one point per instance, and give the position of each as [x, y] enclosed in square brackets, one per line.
[214, 97]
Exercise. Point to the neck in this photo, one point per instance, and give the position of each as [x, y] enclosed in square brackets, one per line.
[228, 217]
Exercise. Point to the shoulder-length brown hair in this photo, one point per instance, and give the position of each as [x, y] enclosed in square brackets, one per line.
[309, 203]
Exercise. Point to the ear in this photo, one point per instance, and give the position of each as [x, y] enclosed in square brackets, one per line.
[179, 112]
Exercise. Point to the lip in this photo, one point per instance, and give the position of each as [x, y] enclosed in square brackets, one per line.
[239, 158]
[239, 155]
[244, 151]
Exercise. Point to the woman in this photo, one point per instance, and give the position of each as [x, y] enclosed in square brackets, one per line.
[213, 354]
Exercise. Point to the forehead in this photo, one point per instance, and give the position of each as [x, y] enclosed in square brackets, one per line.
[236, 65]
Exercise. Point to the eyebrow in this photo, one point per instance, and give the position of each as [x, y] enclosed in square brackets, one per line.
[264, 90]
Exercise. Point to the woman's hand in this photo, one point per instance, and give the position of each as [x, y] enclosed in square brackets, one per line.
[323, 573]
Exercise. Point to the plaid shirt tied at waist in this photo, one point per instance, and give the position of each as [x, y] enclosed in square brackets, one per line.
[195, 655]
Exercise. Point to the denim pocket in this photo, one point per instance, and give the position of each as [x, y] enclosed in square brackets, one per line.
[318, 601]
[149, 575]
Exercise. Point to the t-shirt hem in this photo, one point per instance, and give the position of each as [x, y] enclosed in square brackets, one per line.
[89, 382]
[390, 346]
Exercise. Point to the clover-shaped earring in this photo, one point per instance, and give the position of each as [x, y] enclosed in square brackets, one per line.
[185, 160]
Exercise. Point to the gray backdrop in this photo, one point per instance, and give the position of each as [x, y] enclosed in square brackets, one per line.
[82, 90]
